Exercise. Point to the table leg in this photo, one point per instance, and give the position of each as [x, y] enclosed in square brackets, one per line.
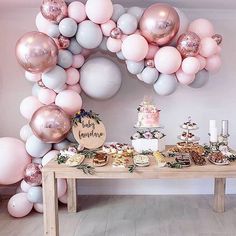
[219, 195]
[72, 195]
[50, 204]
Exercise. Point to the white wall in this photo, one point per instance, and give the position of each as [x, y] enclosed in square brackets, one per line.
[216, 100]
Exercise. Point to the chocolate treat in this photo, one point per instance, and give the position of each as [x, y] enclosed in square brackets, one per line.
[100, 159]
[218, 158]
[197, 159]
[184, 159]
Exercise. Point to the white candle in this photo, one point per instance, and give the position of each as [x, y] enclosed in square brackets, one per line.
[213, 135]
[212, 125]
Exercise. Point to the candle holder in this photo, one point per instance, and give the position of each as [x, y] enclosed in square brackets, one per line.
[214, 146]
[224, 140]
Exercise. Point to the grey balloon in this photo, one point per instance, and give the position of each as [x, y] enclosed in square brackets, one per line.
[62, 145]
[89, 35]
[118, 11]
[65, 58]
[35, 194]
[127, 23]
[202, 77]
[166, 84]
[35, 89]
[53, 30]
[71, 137]
[68, 27]
[135, 67]
[54, 78]
[100, 78]
[150, 75]
[103, 44]
[120, 55]
[74, 47]
[37, 148]
[59, 89]
[136, 12]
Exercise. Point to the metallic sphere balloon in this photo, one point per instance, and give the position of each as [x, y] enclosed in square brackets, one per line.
[33, 174]
[218, 38]
[159, 24]
[50, 124]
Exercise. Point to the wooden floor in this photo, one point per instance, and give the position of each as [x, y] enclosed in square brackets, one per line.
[132, 215]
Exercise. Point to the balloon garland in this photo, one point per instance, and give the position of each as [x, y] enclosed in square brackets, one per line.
[159, 45]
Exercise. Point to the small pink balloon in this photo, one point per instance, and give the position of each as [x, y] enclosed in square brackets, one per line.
[73, 76]
[208, 47]
[150, 63]
[114, 45]
[19, 206]
[63, 199]
[61, 187]
[33, 174]
[202, 61]
[38, 207]
[32, 77]
[202, 27]
[108, 27]
[116, 33]
[24, 186]
[69, 101]
[46, 96]
[99, 11]
[75, 88]
[184, 78]
[152, 50]
[167, 60]
[78, 61]
[28, 106]
[49, 156]
[213, 63]
[190, 65]
[76, 11]
[219, 49]
[86, 52]
[135, 47]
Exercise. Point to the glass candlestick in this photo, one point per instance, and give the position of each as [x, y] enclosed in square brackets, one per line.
[214, 146]
[224, 132]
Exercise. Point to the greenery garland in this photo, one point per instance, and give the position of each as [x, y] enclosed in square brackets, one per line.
[82, 113]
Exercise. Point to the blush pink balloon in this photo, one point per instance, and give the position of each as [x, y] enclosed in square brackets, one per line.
[135, 47]
[76, 11]
[33, 174]
[202, 61]
[46, 96]
[99, 11]
[32, 77]
[208, 47]
[184, 78]
[13, 159]
[28, 106]
[19, 206]
[86, 52]
[167, 60]
[49, 156]
[73, 76]
[114, 45]
[75, 88]
[190, 65]
[61, 187]
[54, 11]
[123, 37]
[38, 207]
[78, 61]
[69, 101]
[108, 27]
[202, 27]
[64, 198]
[219, 49]
[213, 63]
[24, 186]
[152, 50]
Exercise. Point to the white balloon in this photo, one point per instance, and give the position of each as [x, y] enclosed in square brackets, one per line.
[127, 23]
[136, 12]
[37, 160]
[25, 132]
[38, 207]
[62, 145]
[65, 58]
[49, 156]
[118, 11]
[35, 89]
[35, 195]
[103, 44]
[68, 27]
[135, 67]
[202, 77]
[100, 78]
[120, 55]
[150, 75]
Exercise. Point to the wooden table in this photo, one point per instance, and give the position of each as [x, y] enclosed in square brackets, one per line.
[52, 171]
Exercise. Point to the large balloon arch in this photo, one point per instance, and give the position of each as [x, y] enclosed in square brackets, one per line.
[158, 44]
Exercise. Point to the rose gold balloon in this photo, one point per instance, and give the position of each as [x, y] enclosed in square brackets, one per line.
[36, 52]
[54, 10]
[218, 38]
[188, 44]
[159, 24]
[41, 84]
[63, 42]
[33, 174]
[116, 33]
[50, 124]
[150, 63]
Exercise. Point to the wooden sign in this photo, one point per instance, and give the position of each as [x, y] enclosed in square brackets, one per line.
[89, 133]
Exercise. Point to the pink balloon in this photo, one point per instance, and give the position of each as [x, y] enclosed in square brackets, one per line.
[42, 24]
[63, 199]
[167, 60]
[76, 11]
[213, 63]
[38, 207]
[49, 156]
[46, 96]
[86, 52]
[108, 27]
[114, 45]
[18, 205]
[123, 37]
[190, 65]
[24, 186]
[32, 77]
[73, 76]
[208, 47]
[184, 78]
[219, 49]
[152, 50]
[135, 47]
[99, 11]
[75, 88]
[78, 61]
[69, 101]
[202, 27]
[28, 106]
[33, 174]
[61, 187]
[202, 61]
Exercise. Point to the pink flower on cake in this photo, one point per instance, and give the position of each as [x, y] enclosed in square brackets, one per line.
[148, 135]
[136, 136]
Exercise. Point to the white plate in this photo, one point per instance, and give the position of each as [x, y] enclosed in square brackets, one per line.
[218, 164]
[181, 126]
[192, 140]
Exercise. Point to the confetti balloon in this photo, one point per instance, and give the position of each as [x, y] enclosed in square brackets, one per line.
[218, 38]
[33, 174]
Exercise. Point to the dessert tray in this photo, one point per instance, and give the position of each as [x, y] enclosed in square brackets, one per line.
[189, 127]
[194, 139]
[141, 160]
[218, 158]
